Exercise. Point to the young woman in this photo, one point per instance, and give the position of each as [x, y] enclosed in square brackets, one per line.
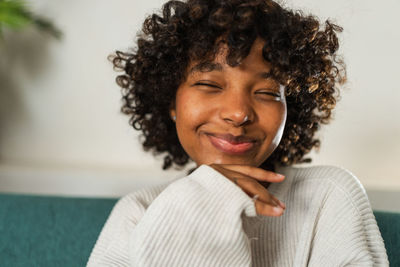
[240, 87]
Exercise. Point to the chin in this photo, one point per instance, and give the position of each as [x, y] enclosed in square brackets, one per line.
[225, 160]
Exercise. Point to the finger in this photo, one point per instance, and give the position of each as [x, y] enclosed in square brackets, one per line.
[268, 210]
[255, 172]
[252, 187]
[231, 175]
[231, 170]
[278, 202]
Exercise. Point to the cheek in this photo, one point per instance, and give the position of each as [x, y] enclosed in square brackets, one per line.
[274, 123]
[280, 124]
[191, 114]
[190, 109]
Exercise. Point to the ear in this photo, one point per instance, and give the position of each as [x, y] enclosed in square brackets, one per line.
[172, 110]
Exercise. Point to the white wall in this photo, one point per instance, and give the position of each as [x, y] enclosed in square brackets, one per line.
[61, 131]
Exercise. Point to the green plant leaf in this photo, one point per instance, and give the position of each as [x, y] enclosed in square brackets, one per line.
[47, 26]
[16, 15]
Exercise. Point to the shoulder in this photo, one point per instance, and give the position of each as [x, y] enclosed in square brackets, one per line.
[328, 182]
[125, 215]
[145, 195]
[324, 182]
[344, 228]
[328, 175]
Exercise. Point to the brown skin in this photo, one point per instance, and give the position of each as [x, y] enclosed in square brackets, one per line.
[217, 102]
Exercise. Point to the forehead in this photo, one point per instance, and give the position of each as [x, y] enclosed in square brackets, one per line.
[263, 73]
[254, 61]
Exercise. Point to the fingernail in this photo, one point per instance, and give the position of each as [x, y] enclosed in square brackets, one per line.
[277, 209]
[280, 175]
[282, 204]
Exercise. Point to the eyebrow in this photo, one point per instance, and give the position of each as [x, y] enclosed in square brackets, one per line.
[211, 66]
[206, 67]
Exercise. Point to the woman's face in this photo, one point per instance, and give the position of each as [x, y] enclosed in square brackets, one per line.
[230, 115]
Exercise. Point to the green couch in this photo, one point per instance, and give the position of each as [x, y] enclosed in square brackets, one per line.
[58, 231]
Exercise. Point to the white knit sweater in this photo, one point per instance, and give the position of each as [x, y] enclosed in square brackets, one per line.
[206, 220]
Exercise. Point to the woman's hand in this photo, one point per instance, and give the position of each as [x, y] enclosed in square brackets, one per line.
[247, 177]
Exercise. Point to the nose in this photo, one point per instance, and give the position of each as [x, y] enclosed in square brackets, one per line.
[237, 109]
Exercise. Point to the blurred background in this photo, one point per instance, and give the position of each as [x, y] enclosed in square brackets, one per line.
[62, 133]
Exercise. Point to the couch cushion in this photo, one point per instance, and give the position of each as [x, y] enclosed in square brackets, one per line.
[389, 225]
[49, 231]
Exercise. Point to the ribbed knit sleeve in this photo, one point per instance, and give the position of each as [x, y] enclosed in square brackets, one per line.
[111, 248]
[194, 221]
[346, 232]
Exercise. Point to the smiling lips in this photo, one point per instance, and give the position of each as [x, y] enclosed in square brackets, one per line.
[230, 144]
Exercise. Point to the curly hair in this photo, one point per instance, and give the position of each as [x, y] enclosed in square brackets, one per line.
[301, 50]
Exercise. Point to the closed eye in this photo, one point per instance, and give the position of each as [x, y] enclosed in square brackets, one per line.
[269, 93]
[208, 84]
